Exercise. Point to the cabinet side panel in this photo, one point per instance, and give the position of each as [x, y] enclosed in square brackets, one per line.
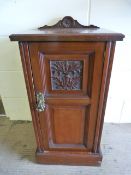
[25, 58]
[109, 55]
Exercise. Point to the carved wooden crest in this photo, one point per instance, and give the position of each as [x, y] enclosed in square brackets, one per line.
[67, 22]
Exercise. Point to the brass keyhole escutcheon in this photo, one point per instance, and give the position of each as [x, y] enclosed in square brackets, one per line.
[40, 100]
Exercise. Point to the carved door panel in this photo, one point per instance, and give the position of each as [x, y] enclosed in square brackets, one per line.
[69, 76]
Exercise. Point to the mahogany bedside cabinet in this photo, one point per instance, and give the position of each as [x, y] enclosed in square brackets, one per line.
[67, 70]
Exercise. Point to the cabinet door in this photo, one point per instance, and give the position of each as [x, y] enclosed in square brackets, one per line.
[69, 75]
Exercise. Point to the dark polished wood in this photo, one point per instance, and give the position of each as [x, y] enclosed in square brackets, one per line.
[68, 22]
[68, 34]
[73, 76]
[69, 30]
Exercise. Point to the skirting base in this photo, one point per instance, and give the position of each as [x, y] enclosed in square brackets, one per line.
[69, 158]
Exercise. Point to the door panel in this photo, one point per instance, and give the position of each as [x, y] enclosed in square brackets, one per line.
[66, 75]
[69, 75]
[68, 125]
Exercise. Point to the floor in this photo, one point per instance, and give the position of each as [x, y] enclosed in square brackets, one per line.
[17, 147]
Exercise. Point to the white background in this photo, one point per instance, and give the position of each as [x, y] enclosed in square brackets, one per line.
[20, 15]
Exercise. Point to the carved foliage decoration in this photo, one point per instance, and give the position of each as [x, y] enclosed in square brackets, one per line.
[66, 75]
[67, 22]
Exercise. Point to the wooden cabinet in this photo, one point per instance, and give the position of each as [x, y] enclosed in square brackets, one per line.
[67, 70]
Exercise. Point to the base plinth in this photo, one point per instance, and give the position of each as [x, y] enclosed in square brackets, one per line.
[69, 158]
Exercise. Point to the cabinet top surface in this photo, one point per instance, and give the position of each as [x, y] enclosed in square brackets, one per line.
[67, 29]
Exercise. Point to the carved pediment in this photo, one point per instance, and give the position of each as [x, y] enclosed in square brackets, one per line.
[67, 22]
